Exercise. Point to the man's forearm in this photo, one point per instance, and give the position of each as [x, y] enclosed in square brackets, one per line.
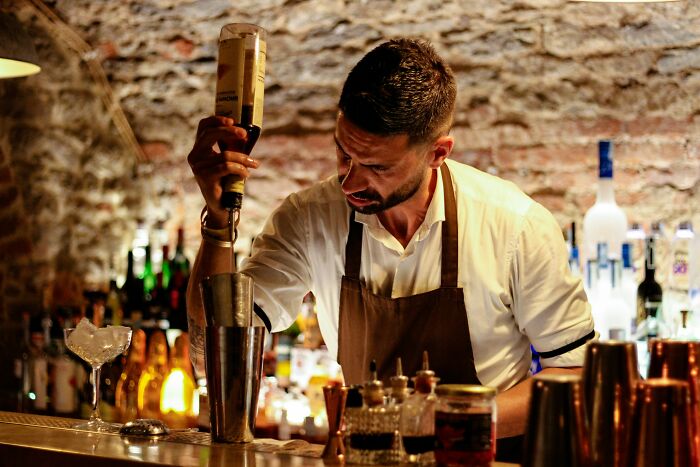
[513, 405]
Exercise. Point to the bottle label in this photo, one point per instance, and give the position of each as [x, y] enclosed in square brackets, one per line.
[679, 271]
[240, 84]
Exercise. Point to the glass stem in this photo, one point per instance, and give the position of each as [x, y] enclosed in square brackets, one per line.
[95, 415]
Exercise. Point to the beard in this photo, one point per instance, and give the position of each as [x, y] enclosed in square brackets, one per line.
[380, 203]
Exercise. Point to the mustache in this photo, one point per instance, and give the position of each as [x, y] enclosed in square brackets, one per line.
[364, 195]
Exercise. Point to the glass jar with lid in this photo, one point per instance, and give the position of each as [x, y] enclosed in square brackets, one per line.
[465, 425]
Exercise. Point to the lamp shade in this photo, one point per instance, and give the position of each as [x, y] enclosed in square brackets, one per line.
[17, 54]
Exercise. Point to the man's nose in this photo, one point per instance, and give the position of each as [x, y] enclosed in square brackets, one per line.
[353, 181]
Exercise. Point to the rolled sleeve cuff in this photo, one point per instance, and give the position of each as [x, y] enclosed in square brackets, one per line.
[570, 358]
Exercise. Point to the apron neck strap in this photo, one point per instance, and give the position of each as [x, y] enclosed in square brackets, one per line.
[450, 245]
[353, 247]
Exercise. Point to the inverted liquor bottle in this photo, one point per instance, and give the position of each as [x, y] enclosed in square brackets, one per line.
[240, 88]
[605, 221]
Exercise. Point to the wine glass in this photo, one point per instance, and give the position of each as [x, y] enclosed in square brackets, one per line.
[97, 346]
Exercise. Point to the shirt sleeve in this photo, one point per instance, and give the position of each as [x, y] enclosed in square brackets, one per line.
[279, 265]
[549, 303]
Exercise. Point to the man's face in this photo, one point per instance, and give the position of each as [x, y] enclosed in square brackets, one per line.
[377, 172]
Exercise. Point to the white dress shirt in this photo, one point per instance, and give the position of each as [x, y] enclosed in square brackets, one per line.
[512, 266]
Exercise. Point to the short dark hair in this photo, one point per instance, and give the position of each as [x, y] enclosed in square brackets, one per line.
[400, 87]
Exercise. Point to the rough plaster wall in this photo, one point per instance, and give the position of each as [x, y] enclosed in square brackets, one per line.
[540, 81]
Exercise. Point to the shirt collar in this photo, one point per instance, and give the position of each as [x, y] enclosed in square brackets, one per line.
[434, 214]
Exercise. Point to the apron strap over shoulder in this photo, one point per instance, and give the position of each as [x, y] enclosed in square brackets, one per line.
[450, 244]
[353, 245]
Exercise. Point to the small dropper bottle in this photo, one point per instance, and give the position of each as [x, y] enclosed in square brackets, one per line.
[399, 385]
[417, 423]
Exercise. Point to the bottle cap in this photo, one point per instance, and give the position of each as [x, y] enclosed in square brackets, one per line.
[605, 155]
[399, 383]
[425, 379]
[373, 392]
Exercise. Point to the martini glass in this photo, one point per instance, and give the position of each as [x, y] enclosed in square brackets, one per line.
[97, 346]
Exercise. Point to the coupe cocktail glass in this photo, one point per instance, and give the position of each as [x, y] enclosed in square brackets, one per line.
[97, 346]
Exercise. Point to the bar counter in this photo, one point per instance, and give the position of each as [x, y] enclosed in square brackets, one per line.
[37, 441]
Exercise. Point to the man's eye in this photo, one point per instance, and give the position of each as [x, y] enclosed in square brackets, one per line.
[378, 168]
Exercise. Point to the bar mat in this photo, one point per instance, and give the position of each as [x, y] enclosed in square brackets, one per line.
[295, 447]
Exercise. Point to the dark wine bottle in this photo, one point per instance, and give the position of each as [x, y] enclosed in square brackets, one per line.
[649, 292]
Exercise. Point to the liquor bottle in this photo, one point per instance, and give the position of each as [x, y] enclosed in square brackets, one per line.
[599, 288]
[149, 276]
[113, 304]
[619, 313]
[180, 261]
[676, 296]
[126, 396]
[165, 267]
[39, 365]
[636, 237]
[177, 286]
[629, 286]
[23, 369]
[239, 92]
[64, 396]
[151, 381]
[604, 222]
[417, 424]
[109, 379]
[133, 291]
[649, 293]
[662, 251]
[694, 284]
[177, 397]
[372, 429]
[574, 261]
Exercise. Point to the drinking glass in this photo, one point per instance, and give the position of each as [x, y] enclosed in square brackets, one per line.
[97, 346]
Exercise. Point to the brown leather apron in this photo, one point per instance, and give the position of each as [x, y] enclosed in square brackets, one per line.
[374, 327]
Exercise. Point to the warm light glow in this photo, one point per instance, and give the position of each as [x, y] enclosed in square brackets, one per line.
[176, 395]
[15, 68]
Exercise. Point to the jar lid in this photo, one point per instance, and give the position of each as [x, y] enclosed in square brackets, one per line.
[464, 390]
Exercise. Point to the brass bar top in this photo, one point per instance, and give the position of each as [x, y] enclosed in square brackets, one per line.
[29, 440]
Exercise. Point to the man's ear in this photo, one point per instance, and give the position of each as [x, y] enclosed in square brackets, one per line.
[442, 147]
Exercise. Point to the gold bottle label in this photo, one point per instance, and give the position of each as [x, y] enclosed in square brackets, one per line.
[240, 85]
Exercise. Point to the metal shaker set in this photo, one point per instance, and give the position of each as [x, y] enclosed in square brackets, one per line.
[234, 340]
[611, 417]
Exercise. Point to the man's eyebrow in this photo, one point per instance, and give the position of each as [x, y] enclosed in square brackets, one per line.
[337, 143]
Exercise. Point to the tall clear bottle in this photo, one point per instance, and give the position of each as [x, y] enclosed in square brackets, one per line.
[605, 221]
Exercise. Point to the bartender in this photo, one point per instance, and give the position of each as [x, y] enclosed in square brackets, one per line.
[405, 249]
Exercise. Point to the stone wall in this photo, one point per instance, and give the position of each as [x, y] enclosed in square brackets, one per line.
[540, 82]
